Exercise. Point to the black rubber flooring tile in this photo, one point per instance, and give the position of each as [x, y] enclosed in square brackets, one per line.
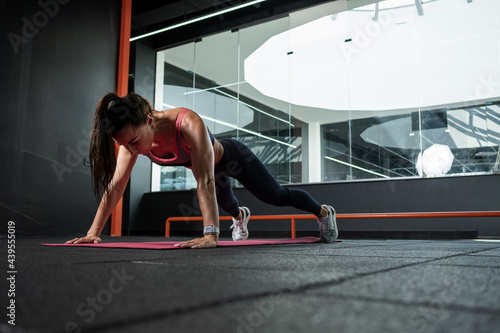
[358, 248]
[30, 252]
[384, 242]
[455, 287]
[461, 246]
[493, 253]
[52, 296]
[405, 250]
[394, 252]
[338, 266]
[330, 248]
[475, 260]
[76, 256]
[300, 312]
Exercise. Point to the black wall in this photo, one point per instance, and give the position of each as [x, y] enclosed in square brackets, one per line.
[472, 193]
[50, 84]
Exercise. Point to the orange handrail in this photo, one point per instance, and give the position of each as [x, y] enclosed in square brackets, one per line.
[292, 218]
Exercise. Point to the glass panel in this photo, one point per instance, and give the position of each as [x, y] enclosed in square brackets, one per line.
[179, 76]
[216, 82]
[458, 74]
[473, 135]
[318, 92]
[215, 97]
[491, 156]
[368, 133]
[265, 123]
[178, 87]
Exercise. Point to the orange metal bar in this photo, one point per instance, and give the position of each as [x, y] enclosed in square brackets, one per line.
[122, 90]
[228, 218]
[116, 215]
[124, 50]
[342, 216]
[417, 215]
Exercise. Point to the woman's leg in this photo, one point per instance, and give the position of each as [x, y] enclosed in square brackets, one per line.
[228, 202]
[225, 195]
[243, 165]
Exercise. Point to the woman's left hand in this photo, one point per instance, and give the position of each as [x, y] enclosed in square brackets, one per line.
[200, 243]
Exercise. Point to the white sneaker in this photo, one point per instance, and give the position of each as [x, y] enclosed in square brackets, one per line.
[328, 231]
[240, 230]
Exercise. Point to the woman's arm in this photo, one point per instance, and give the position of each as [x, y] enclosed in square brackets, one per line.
[197, 139]
[124, 164]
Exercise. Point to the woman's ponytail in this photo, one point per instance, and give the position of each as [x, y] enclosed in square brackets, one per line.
[111, 115]
[102, 152]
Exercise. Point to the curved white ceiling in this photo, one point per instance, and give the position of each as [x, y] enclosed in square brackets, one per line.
[450, 54]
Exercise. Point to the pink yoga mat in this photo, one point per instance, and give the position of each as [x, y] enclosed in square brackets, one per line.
[170, 245]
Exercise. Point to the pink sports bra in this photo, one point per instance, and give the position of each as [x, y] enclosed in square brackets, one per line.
[183, 155]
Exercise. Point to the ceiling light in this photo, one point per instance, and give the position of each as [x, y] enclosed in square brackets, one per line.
[196, 20]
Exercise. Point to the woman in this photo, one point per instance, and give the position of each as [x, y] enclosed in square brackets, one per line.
[178, 137]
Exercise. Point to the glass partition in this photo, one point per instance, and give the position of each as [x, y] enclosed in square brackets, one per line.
[177, 71]
[274, 136]
[349, 90]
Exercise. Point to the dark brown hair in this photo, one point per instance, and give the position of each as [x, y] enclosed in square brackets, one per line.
[111, 115]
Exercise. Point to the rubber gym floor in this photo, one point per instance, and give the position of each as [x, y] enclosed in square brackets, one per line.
[352, 286]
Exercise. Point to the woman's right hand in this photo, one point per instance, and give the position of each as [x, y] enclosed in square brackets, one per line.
[87, 239]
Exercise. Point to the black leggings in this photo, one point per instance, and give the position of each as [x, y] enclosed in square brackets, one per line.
[240, 163]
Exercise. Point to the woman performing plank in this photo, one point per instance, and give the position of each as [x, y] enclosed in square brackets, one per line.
[178, 137]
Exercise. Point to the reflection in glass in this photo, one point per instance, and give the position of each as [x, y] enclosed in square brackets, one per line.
[333, 93]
